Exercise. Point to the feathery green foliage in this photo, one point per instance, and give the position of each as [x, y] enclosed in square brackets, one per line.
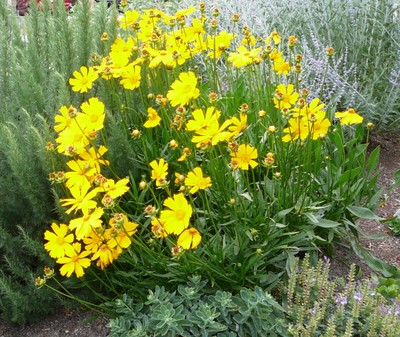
[38, 53]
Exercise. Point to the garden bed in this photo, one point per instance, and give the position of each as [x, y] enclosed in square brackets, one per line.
[88, 324]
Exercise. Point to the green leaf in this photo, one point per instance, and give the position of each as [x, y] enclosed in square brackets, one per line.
[373, 160]
[363, 213]
[372, 261]
[325, 223]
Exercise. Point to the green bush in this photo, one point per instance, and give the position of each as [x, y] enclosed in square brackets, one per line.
[37, 54]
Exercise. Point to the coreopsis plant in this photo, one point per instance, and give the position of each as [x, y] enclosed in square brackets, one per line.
[236, 167]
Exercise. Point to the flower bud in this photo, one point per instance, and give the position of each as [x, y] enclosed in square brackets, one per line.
[261, 113]
[330, 51]
[104, 37]
[135, 133]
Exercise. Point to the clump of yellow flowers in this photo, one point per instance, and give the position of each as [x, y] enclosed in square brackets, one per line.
[209, 147]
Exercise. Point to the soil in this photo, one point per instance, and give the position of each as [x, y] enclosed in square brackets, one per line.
[87, 324]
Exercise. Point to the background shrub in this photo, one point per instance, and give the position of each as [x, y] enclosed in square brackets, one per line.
[38, 53]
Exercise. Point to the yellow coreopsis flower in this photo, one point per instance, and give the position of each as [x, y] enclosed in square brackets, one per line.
[83, 80]
[318, 125]
[218, 44]
[120, 233]
[159, 170]
[85, 224]
[274, 36]
[115, 189]
[75, 261]
[105, 255]
[243, 57]
[93, 241]
[238, 124]
[314, 107]
[177, 217]
[212, 135]
[73, 137]
[124, 47]
[189, 239]
[153, 119]
[197, 181]
[297, 129]
[281, 66]
[80, 174]
[157, 227]
[92, 157]
[200, 120]
[183, 89]
[288, 95]
[244, 157]
[59, 241]
[64, 119]
[349, 117]
[93, 114]
[81, 198]
[131, 76]
[116, 64]
[128, 19]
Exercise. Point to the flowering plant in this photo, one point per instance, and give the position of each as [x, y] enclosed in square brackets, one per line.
[196, 150]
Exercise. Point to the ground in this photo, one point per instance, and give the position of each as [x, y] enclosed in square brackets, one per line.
[87, 324]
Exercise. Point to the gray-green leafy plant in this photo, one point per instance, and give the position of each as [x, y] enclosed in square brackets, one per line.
[196, 310]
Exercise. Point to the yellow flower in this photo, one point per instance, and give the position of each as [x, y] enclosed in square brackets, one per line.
[243, 56]
[244, 157]
[274, 36]
[85, 224]
[159, 170]
[318, 125]
[157, 227]
[93, 157]
[189, 239]
[238, 124]
[298, 128]
[218, 44]
[93, 241]
[59, 241]
[314, 107]
[73, 137]
[349, 117]
[115, 189]
[124, 47]
[128, 19]
[197, 180]
[177, 217]
[105, 255]
[64, 119]
[80, 173]
[131, 76]
[120, 233]
[153, 119]
[183, 89]
[75, 261]
[200, 120]
[93, 114]
[212, 134]
[289, 97]
[280, 66]
[83, 80]
[81, 198]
